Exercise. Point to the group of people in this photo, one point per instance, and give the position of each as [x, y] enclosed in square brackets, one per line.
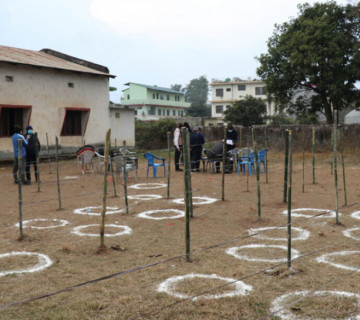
[29, 149]
[197, 141]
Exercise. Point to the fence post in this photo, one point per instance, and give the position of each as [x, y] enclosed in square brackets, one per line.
[286, 164]
[335, 167]
[313, 153]
[187, 183]
[343, 163]
[37, 173]
[257, 173]
[48, 151]
[223, 166]
[19, 179]
[303, 159]
[289, 201]
[103, 213]
[57, 171]
[125, 175]
[169, 161]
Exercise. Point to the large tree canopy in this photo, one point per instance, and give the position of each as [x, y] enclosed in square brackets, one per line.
[196, 92]
[315, 57]
[246, 112]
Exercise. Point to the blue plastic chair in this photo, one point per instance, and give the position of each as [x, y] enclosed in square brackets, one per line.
[151, 163]
[262, 158]
[244, 161]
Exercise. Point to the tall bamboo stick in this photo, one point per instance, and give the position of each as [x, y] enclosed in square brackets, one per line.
[266, 158]
[57, 171]
[303, 159]
[289, 202]
[313, 153]
[48, 151]
[286, 164]
[257, 174]
[335, 167]
[19, 179]
[37, 173]
[187, 173]
[169, 167]
[125, 175]
[103, 213]
[223, 166]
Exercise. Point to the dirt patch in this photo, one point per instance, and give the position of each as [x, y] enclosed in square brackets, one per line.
[215, 227]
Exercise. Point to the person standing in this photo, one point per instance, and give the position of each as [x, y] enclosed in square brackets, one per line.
[200, 141]
[231, 138]
[178, 146]
[195, 148]
[32, 150]
[15, 137]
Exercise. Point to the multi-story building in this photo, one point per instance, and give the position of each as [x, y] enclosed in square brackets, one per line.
[225, 93]
[153, 102]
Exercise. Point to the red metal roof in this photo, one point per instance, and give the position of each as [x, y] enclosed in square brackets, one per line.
[42, 59]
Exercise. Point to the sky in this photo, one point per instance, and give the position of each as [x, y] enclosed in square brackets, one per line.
[153, 42]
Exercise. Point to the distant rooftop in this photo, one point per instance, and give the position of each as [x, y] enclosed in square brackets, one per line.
[51, 59]
[156, 88]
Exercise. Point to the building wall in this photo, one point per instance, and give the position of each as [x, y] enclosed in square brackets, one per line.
[122, 127]
[231, 94]
[48, 94]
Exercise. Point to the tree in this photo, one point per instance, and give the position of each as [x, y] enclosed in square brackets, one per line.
[177, 87]
[196, 92]
[318, 52]
[246, 112]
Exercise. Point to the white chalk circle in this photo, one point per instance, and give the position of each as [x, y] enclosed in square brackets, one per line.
[328, 214]
[27, 222]
[302, 234]
[126, 230]
[169, 287]
[145, 197]
[146, 186]
[356, 215]
[325, 259]
[43, 262]
[201, 200]
[234, 251]
[286, 314]
[148, 214]
[348, 233]
[96, 211]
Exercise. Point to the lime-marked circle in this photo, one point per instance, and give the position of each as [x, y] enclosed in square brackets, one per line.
[27, 222]
[169, 286]
[43, 262]
[148, 214]
[327, 213]
[201, 200]
[303, 234]
[356, 215]
[145, 197]
[286, 314]
[146, 186]
[325, 259]
[234, 251]
[78, 230]
[348, 233]
[91, 211]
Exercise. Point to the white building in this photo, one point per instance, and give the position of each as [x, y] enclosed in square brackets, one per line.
[225, 93]
[60, 96]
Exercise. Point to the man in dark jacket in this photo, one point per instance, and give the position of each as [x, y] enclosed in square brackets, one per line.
[32, 150]
[231, 139]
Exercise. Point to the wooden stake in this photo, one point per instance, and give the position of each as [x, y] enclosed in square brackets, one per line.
[223, 166]
[48, 151]
[303, 159]
[169, 161]
[343, 163]
[257, 174]
[57, 171]
[125, 175]
[289, 202]
[37, 173]
[335, 167]
[313, 153]
[19, 179]
[286, 164]
[103, 213]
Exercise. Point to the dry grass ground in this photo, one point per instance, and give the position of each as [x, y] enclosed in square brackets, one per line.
[134, 295]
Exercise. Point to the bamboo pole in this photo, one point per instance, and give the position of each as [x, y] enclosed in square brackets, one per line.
[223, 166]
[169, 167]
[266, 158]
[286, 164]
[48, 151]
[343, 163]
[57, 171]
[103, 213]
[335, 167]
[289, 202]
[19, 179]
[257, 173]
[125, 175]
[313, 153]
[112, 175]
[303, 159]
[187, 173]
[37, 173]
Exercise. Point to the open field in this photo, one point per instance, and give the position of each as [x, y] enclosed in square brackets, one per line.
[133, 295]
